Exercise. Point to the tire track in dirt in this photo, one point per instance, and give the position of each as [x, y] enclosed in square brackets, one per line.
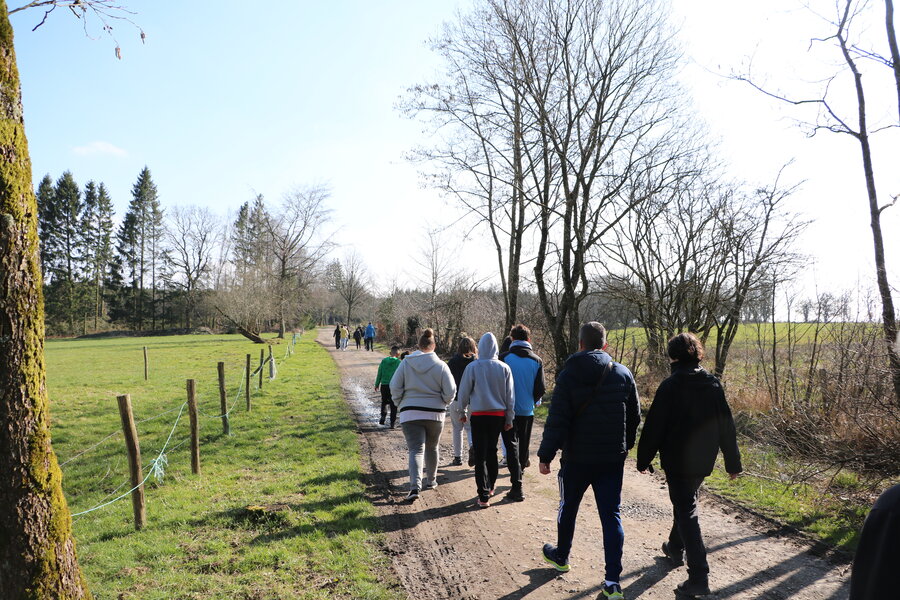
[443, 547]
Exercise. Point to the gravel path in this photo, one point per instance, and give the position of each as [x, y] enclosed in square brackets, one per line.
[442, 547]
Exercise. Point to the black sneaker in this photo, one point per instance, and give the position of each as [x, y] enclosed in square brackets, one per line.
[515, 495]
[413, 495]
[551, 556]
[676, 558]
[471, 461]
[381, 421]
[457, 461]
[693, 588]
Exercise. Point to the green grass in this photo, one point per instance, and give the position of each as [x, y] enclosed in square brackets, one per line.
[279, 508]
[831, 513]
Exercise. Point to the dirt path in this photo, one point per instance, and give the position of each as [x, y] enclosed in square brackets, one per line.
[444, 548]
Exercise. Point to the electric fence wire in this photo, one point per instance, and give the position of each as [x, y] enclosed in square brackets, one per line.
[115, 433]
[88, 449]
[156, 469]
[157, 465]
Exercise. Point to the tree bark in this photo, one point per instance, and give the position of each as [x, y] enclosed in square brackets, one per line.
[892, 44]
[37, 556]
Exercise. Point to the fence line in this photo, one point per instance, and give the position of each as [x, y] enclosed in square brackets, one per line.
[156, 467]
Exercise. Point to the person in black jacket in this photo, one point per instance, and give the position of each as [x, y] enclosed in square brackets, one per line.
[876, 566]
[688, 423]
[593, 419]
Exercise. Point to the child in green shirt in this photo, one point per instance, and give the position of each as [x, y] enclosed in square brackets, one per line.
[386, 370]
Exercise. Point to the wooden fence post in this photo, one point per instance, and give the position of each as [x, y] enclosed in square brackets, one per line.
[262, 363]
[223, 400]
[247, 383]
[134, 460]
[271, 364]
[146, 365]
[195, 426]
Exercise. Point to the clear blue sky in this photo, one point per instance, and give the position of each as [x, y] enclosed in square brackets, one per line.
[228, 99]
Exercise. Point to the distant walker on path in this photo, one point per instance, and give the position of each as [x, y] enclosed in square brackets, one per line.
[370, 337]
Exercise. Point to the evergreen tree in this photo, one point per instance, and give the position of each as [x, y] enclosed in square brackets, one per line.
[126, 272]
[69, 248]
[242, 242]
[47, 224]
[139, 252]
[98, 229]
[157, 253]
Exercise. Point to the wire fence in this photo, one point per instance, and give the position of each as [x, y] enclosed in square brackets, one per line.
[156, 469]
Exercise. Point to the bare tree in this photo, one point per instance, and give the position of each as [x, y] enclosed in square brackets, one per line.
[298, 245]
[556, 106]
[192, 235]
[829, 119]
[483, 127]
[446, 289]
[350, 280]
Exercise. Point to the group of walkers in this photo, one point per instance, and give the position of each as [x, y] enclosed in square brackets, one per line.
[490, 392]
[342, 336]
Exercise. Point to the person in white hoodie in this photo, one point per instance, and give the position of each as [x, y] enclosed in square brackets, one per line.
[487, 388]
[422, 387]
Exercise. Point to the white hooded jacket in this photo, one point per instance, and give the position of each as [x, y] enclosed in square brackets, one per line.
[422, 382]
[487, 383]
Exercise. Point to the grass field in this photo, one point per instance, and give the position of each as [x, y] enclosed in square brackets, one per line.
[278, 509]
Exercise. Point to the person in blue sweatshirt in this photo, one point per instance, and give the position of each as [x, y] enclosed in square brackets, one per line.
[370, 337]
[528, 381]
[487, 390]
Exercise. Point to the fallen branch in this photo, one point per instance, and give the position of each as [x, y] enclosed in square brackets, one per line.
[250, 335]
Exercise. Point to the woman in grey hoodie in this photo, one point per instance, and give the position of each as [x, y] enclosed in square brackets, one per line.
[422, 387]
[487, 385]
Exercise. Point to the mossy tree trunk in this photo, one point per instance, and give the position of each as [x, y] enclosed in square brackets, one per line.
[37, 552]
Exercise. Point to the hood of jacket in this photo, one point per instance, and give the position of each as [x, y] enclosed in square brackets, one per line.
[488, 348]
[586, 366]
[423, 362]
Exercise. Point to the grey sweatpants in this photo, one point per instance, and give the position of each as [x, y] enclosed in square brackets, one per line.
[422, 439]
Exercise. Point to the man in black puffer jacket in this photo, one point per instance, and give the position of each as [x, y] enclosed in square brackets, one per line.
[688, 422]
[594, 415]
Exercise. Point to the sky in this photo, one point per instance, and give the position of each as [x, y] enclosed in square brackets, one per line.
[225, 101]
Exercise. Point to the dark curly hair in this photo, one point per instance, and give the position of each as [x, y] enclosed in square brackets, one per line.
[685, 347]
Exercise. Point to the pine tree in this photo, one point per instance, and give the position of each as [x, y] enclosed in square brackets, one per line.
[126, 272]
[157, 252]
[241, 241]
[69, 245]
[138, 248]
[47, 224]
[98, 228]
